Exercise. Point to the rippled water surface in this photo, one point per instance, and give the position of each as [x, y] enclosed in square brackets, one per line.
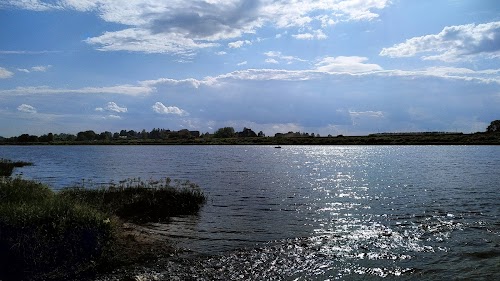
[313, 212]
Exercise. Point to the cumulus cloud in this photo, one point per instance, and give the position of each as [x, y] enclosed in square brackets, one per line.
[352, 64]
[113, 107]
[26, 108]
[4, 73]
[452, 43]
[183, 27]
[159, 108]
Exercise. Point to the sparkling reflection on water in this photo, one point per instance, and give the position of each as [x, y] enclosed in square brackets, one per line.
[315, 212]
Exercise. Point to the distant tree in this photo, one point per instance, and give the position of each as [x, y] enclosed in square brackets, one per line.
[105, 136]
[64, 137]
[261, 134]
[493, 127]
[86, 136]
[247, 133]
[27, 138]
[226, 132]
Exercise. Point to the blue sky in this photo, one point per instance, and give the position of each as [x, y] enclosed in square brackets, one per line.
[349, 67]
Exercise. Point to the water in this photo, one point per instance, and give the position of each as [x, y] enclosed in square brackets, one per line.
[312, 212]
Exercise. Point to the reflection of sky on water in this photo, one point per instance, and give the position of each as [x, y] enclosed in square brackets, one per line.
[314, 211]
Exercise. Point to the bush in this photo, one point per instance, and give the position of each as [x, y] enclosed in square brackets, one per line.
[140, 201]
[43, 236]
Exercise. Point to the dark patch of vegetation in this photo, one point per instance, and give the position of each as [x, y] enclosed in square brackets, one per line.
[43, 236]
[141, 201]
[494, 127]
[228, 135]
[7, 166]
[65, 235]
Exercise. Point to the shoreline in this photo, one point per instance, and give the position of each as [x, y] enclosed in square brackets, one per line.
[375, 139]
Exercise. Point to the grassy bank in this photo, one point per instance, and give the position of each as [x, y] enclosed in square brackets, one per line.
[7, 166]
[46, 235]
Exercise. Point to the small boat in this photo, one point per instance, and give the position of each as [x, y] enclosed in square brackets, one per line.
[277, 146]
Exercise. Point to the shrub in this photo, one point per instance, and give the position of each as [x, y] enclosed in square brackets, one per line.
[141, 201]
[43, 236]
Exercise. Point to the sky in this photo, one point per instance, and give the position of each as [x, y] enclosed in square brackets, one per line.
[350, 67]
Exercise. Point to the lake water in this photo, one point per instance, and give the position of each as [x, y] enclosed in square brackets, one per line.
[312, 212]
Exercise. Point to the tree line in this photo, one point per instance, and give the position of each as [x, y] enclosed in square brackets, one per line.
[165, 134]
[154, 134]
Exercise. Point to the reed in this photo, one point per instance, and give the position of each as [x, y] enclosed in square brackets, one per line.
[44, 236]
[141, 201]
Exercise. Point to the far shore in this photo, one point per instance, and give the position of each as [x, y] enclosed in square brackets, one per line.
[373, 139]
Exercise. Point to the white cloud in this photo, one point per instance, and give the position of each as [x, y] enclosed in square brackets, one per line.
[33, 5]
[112, 106]
[273, 61]
[158, 107]
[452, 43]
[352, 64]
[39, 68]
[274, 55]
[481, 76]
[221, 53]
[242, 63]
[238, 44]
[316, 34]
[112, 116]
[26, 108]
[183, 27]
[374, 114]
[4, 73]
[130, 90]
[169, 81]
[13, 52]
[143, 40]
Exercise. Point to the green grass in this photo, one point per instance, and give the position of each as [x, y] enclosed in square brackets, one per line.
[43, 236]
[46, 235]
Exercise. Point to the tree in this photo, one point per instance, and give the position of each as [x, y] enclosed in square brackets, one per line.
[226, 132]
[493, 127]
[247, 133]
[105, 136]
[86, 136]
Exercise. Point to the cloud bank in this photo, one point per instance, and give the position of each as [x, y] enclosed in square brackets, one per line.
[453, 43]
[183, 27]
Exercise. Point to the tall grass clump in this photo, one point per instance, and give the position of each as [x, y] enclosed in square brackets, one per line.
[7, 166]
[141, 201]
[44, 236]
